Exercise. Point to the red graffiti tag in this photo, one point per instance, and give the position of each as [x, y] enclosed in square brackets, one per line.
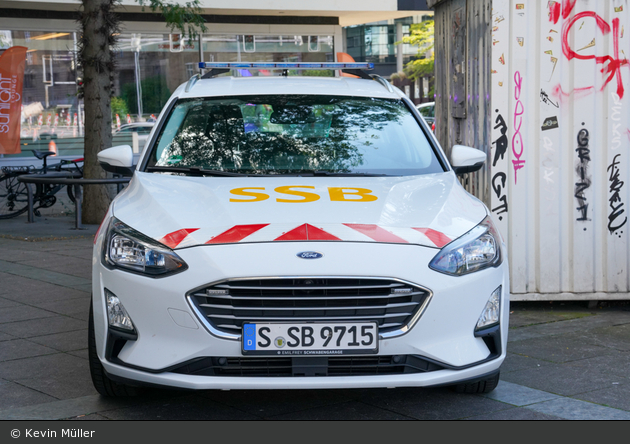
[577, 93]
[555, 8]
[517, 138]
[554, 12]
[611, 64]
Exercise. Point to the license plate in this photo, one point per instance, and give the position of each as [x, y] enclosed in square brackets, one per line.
[310, 338]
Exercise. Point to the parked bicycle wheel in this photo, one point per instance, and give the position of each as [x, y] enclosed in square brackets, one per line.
[70, 191]
[13, 196]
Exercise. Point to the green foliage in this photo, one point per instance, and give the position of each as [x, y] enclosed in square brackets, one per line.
[422, 36]
[320, 73]
[186, 18]
[313, 73]
[119, 106]
[155, 93]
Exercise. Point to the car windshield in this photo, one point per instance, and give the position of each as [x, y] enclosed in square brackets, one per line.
[300, 135]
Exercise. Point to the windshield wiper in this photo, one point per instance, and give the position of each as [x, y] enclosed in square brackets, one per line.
[192, 171]
[328, 173]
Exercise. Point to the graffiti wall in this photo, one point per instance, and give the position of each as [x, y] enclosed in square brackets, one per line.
[561, 145]
[558, 146]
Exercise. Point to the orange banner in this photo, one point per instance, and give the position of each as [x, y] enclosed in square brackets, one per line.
[12, 63]
[344, 57]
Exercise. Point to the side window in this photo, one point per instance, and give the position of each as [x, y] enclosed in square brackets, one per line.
[171, 129]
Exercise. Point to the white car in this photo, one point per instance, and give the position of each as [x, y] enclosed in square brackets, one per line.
[427, 111]
[142, 128]
[296, 232]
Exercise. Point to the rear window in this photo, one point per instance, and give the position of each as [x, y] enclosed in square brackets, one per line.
[273, 135]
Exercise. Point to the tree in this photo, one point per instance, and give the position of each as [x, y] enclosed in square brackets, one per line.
[119, 106]
[422, 36]
[99, 26]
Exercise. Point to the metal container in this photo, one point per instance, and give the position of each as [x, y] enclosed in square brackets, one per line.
[556, 127]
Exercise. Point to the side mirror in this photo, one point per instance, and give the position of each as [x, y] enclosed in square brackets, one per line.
[465, 159]
[117, 160]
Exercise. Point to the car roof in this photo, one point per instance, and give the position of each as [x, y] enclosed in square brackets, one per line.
[291, 85]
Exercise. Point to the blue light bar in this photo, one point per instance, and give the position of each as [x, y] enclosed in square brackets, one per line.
[300, 66]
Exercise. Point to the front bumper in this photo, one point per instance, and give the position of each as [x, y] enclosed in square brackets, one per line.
[170, 333]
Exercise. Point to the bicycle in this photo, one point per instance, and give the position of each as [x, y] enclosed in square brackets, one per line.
[14, 194]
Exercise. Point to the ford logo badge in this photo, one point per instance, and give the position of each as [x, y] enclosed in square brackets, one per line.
[309, 255]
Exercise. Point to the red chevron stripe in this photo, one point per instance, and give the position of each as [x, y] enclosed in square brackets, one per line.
[173, 239]
[439, 239]
[236, 234]
[377, 233]
[315, 233]
[307, 232]
[297, 234]
[304, 232]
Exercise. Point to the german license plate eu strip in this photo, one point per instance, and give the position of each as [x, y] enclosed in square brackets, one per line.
[310, 339]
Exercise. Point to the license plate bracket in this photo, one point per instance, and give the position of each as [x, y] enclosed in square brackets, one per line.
[309, 338]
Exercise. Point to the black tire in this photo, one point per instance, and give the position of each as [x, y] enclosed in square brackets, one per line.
[102, 383]
[13, 196]
[484, 386]
[70, 191]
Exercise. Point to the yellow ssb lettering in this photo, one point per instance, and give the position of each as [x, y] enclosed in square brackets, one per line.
[339, 194]
[308, 197]
[241, 192]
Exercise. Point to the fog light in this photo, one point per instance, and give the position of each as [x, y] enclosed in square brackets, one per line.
[117, 316]
[490, 314]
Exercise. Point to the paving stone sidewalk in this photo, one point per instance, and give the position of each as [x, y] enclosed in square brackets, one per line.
[565, 361]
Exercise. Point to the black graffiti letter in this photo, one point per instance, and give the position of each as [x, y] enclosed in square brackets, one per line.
[502, 141]
[582, 170]
[498, 190]
[615, 203]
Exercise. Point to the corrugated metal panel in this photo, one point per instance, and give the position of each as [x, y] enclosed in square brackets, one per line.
[562, 95]
[560, 143]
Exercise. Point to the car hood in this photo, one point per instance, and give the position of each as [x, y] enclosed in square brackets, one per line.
[184, 211]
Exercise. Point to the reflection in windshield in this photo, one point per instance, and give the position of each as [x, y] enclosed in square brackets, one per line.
[293, 135]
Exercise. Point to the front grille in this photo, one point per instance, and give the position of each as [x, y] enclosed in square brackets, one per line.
[310, 366]
[227, 305]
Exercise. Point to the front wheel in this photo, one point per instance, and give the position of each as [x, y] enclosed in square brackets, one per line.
[13, 196]
[102, 383]
[483, 386]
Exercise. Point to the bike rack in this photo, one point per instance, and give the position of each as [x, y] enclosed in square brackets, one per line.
[65, 179]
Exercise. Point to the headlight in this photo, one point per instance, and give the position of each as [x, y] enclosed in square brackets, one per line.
[478, 249]
[131, 250]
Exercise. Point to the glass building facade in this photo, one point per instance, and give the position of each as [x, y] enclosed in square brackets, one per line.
[150, 66]
[376, 43]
